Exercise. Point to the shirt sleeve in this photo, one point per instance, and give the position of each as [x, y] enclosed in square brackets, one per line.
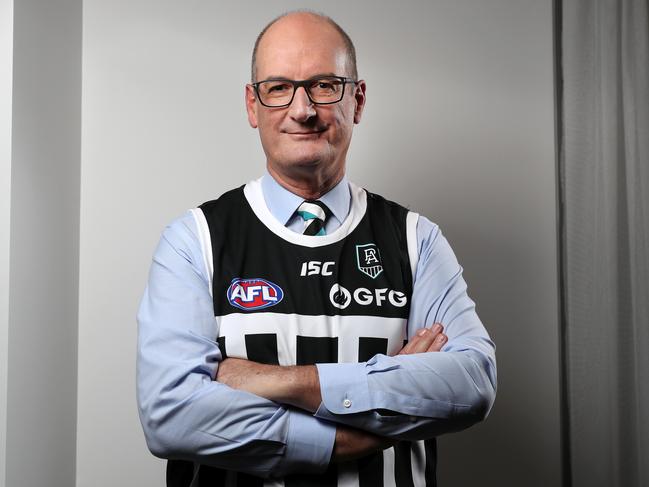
[421, 395]
[185, 414]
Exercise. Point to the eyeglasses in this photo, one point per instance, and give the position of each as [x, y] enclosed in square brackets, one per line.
[323, 90]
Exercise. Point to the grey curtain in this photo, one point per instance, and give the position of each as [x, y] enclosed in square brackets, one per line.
[604, 195]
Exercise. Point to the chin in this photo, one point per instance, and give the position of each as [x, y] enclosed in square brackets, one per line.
[306, 159]
[312, 160]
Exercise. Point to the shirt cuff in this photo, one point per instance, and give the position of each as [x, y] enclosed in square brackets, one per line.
[309, 444]
[343, 388]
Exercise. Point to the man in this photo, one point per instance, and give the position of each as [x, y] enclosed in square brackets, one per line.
[271, 334]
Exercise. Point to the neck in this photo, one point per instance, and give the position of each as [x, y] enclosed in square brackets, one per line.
[310, 186]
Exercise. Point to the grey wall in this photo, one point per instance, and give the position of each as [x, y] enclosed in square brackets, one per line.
[40, 185]
[459, 125]
[470, 144]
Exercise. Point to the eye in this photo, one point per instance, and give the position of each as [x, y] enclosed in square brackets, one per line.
[278, 87]
[325, 86]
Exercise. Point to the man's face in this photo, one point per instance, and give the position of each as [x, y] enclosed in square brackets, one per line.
[304, 139]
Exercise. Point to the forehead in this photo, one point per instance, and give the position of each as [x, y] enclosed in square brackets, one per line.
[299, 47]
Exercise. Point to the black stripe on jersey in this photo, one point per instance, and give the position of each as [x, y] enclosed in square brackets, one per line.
[370, 470]
[221, 342]
[403, 465]
[246, 480]
[370, 346]
[316, 350]
[179, 473]
[262, 348]
[430, 446]
[327, 479]
[210, 476]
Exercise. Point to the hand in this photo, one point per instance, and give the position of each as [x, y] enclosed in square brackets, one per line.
[426, 340]
[352, 444]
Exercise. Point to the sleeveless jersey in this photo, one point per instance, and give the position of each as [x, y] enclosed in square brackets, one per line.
[288, 299]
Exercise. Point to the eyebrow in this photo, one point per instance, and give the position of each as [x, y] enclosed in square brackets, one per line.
[279, 78]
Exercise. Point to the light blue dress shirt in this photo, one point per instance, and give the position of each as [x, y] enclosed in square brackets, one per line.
[186, 414]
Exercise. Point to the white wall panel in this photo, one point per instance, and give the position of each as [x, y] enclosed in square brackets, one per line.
[6, 71]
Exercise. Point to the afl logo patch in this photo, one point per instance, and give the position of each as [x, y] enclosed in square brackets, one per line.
[250, 294]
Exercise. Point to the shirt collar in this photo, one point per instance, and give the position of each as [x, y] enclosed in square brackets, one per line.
[283, 204]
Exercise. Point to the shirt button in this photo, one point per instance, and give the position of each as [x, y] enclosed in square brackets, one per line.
[347, 403]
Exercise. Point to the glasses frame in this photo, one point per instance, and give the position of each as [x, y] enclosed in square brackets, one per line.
[304, 84]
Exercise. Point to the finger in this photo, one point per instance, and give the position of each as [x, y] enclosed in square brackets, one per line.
[406, 348]
[426, 338]
[422, 340]
[412, 342]
[438, 343]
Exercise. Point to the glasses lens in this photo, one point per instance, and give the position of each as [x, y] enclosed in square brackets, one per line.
[275, 93]
[326, 90]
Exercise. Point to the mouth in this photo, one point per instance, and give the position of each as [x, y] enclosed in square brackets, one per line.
[305, 133]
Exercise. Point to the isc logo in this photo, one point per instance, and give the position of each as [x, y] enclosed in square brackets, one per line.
[315, 267]
[255, 293]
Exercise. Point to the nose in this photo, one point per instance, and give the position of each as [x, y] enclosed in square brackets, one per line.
[301, 108]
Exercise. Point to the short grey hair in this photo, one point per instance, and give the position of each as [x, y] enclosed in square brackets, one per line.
[349, 45]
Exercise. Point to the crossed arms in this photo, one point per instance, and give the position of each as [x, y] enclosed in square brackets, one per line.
[186, 414]
[298, 386]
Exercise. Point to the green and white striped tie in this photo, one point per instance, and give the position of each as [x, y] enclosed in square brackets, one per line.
[314, 214]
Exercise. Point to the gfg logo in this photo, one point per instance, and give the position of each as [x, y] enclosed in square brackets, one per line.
[341, 297]
[255, 293]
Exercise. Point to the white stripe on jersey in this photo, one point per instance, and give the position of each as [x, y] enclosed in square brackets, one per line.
[418, 462]
[388, 467]
[349, 329]
[411, 237]
[347, 474]
[206, 243]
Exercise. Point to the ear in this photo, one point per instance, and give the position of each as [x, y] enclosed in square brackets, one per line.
[359, 96]
[251, 106]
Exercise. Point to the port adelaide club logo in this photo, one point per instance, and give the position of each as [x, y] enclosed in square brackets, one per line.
[251, 294]
[368, 258]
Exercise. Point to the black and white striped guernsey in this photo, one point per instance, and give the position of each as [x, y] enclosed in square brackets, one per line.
[289, 299]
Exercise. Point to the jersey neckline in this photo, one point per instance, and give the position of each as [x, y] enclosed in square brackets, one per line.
[255, 197]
